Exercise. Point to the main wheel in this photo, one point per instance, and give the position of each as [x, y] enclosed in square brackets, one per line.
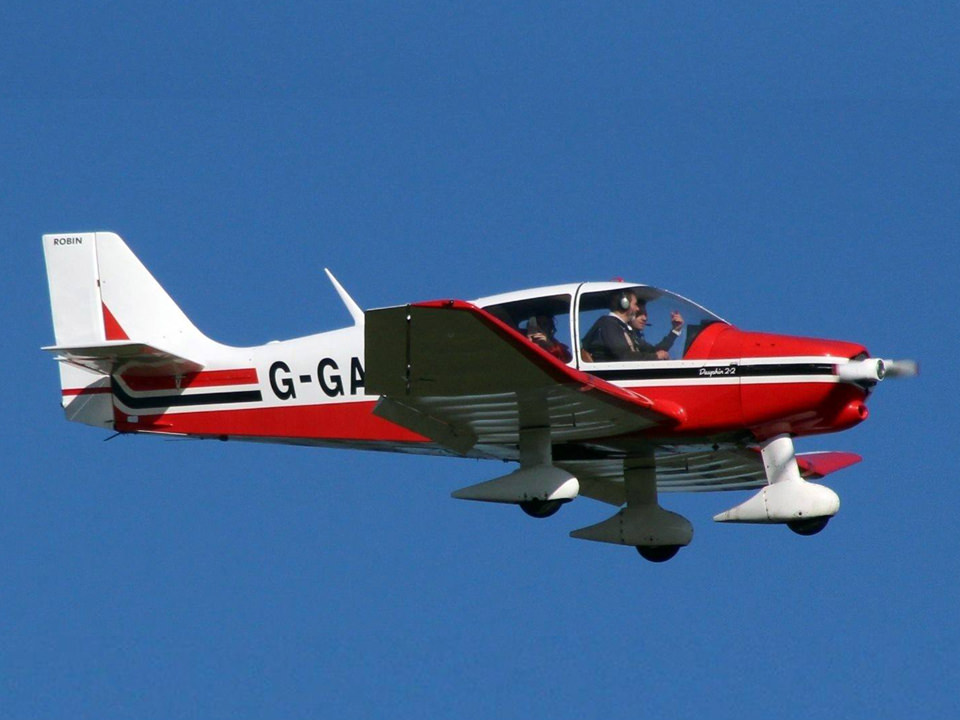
[808, 526]
[540, 508]
[658, 553]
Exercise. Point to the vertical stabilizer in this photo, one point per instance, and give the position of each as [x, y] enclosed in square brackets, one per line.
[100, 292]
[136, 307]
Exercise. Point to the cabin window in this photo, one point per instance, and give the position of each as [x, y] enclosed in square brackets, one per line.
[545, 321]
[602, 341]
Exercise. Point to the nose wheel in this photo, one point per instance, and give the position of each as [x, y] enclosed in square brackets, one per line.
[809, 526]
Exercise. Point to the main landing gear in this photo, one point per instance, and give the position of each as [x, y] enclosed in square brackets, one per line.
[657, 534]
[538, 487]
[541, 489]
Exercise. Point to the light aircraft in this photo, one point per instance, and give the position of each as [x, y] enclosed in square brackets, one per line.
[717, 411]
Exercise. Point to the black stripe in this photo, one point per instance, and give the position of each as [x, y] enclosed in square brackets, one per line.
[786, 369]
[708, 372]
[168, 401]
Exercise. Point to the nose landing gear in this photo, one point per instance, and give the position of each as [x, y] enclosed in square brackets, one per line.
[809, 526]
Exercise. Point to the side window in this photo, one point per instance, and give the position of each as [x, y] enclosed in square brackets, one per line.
[545, 321]
[645, 336]
[588, 319]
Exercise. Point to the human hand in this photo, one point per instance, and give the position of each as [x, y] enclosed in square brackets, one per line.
[676, 319]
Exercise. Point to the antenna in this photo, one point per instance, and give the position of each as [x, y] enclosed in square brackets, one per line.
[355, 312]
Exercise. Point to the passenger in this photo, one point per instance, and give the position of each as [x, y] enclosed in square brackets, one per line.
[618, 336]
[660, 351]
[542, 331]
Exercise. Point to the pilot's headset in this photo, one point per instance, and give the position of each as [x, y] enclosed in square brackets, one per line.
[621, 301]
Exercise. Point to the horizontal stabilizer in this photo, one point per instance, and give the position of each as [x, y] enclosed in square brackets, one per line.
[131, 358]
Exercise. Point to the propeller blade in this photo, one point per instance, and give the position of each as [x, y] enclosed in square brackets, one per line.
[901, 368]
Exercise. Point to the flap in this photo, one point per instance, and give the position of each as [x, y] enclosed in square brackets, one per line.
[132, 358]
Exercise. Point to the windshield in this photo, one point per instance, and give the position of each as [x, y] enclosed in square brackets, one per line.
[658, 325]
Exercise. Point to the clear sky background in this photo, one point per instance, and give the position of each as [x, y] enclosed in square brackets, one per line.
[794, 167]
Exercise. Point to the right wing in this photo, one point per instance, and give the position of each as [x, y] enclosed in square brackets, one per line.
[698, 471]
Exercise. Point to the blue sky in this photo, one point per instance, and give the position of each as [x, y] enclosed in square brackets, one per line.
[794, 168]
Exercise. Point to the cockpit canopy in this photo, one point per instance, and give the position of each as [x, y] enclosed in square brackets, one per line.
[559, 318]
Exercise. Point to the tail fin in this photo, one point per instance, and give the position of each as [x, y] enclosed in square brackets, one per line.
[100, 291]
[102, 296]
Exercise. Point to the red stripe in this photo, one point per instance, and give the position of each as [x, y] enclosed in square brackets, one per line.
[329, 421]
[206, 378]
[86, 391]
[111, 327]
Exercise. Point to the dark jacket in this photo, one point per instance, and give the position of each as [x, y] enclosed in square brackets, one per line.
[612, 339]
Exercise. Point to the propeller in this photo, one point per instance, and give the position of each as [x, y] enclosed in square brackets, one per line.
[900, 368]
[870, 371]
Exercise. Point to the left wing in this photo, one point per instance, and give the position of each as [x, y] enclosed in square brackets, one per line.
[463, 378]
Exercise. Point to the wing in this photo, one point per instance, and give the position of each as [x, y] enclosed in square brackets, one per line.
[461, 377]
[123, 355]
[738, 468]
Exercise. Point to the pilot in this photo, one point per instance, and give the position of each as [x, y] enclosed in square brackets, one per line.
[542, 331]
[660, 351]
[613, 337]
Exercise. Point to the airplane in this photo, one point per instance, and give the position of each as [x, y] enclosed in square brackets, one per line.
[716, 409]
